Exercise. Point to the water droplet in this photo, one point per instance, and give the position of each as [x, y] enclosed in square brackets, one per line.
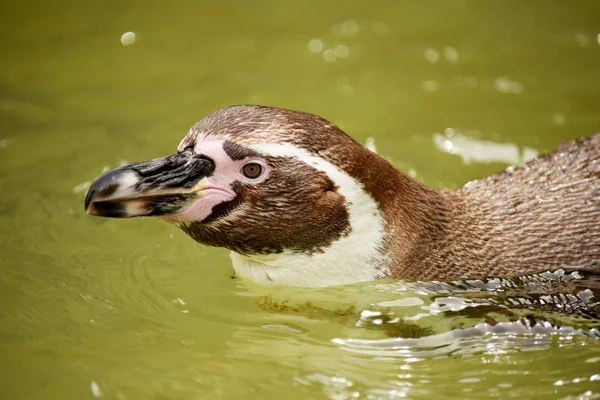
[432, 55]
[430, 86]
[128, 38]
[451, 54]
[341, 51]
[329, 55]
[315, 45]
[379, 28]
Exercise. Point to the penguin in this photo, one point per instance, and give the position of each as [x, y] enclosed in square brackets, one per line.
[299, 202]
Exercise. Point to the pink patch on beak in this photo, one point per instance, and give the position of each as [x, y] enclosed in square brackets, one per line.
[216, 189]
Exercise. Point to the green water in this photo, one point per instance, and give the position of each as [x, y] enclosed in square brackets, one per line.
[133, 309]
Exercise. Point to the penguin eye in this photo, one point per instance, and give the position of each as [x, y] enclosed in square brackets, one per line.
[252, 170]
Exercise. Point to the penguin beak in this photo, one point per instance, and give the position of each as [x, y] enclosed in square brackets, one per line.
[157, 187]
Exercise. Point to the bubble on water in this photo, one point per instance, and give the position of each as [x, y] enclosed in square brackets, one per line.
[451, 54]
[379, 28]
[341, 51]
[329, 55]
[315, 46]
[128, 38]
[430, 86]
[432, 55]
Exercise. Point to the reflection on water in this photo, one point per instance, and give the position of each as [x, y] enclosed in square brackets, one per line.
[413, 325]
[481, 151]
[520, 310]
[505, 321]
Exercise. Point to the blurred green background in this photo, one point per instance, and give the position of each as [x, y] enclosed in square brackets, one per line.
[449, 90]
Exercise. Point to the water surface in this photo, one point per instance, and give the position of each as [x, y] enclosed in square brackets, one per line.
[449, 91]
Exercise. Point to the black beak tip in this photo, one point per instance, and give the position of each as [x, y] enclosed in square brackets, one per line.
[88, 199]
[108, 209]
[102, 187]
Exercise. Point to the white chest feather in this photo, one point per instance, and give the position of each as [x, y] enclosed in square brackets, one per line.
[356, 257]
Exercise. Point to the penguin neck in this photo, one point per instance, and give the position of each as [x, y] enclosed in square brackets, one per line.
[417, 217]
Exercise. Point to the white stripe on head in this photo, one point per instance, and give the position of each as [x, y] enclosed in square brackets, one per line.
[356, 257]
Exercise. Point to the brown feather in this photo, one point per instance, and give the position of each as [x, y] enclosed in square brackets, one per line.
[541, 215]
